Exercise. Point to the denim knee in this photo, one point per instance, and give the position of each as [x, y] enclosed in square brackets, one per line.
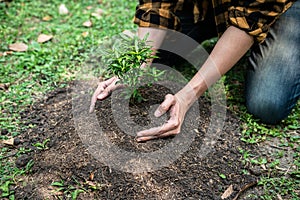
[273, 77]
[267, 109]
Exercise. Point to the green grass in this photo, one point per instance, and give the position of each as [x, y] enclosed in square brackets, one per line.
[275, 180]
[28, 76]
[45, 66]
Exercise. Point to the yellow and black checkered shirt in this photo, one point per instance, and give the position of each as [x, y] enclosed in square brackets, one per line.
[253, 16]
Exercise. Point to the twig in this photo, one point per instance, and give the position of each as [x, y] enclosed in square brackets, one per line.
[277, 147]
[10, 155]
[287, 170]
[245, 187]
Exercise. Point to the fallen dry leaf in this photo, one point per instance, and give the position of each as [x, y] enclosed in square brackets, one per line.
[4, 86]
[279, 197]
[89, 7]
[88, 23]
[95, 15]
[8, 142]
[47, 18]
[20, 47]
[90, 183]
[63, 10]
[32, 28]
[85, 34]
[92, 176]
[44, 38]
[98, 13]
[94, 185]
[227, 192]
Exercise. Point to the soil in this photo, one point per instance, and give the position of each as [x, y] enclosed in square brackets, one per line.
[67, 157]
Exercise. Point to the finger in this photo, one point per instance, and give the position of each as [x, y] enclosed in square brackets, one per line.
[172, 124]
[144, 139]
[167, 134]
[108, 89]
[92, 106]
[170, 133]
[165, 105]
[101, 87]
[110, 80]
[170, 128]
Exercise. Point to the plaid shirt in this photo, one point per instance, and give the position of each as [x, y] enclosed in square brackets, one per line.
[253, 16]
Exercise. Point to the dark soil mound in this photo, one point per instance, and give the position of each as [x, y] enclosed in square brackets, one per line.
[67, 158]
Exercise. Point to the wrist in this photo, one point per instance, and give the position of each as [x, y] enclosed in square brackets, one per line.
[187, 96]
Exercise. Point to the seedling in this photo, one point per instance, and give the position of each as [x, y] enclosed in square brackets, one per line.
[123, 57]
[23, 150]
[69, 191]
[223, 176]
[43, 145]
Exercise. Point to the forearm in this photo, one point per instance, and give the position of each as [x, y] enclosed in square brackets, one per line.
[155, 37]
[233, 44]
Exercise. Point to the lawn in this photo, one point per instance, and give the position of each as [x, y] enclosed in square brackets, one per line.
[42, 156]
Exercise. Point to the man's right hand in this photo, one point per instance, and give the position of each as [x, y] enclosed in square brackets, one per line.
[104, 89]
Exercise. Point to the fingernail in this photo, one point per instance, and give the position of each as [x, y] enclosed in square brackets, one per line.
[91, 109]
[100, 96]
[140, 140]
[157, 113]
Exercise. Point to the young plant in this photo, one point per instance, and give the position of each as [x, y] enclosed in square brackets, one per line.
[43, 145]
[123, 58]
[69, 191]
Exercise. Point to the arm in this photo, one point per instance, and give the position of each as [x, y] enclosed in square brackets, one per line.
[233, 44]
[155, 38]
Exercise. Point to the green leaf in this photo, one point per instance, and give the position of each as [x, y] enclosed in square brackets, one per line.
[136, 46]
[58, 184]
[75, 193]
[5, 188]
[223, 176]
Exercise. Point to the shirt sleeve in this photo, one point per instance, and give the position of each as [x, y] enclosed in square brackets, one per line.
[154, 13]
[256, 16]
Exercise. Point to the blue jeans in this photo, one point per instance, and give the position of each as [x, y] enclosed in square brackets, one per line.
[273, 79]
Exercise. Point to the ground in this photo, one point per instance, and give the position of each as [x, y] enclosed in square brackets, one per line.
[67, 158]
[49, 158]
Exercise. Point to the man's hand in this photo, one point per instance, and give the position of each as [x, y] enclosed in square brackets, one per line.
[177, 108]
[104, 89]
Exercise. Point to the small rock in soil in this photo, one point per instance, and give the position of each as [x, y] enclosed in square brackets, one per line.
[17, 141]
[255, 171]
[22, 161]
[4, 132]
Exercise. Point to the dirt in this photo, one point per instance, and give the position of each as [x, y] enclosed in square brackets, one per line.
[67, 157]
